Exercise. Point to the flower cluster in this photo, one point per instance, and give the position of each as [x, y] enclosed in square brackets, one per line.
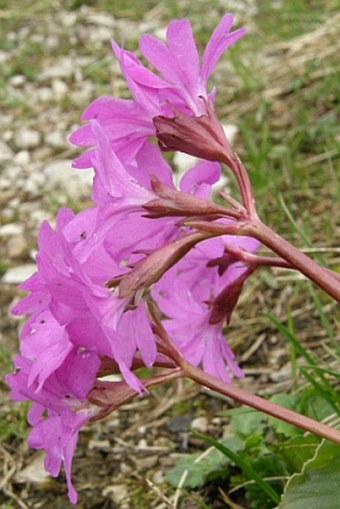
[85, 302]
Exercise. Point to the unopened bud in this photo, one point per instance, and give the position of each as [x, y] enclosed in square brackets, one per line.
[201, 136]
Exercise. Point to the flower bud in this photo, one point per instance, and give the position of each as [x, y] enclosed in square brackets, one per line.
[201, 136]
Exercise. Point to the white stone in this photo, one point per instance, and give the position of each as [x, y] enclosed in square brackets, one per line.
[100, 34]
[160, 33]
[111, 378]
[12, 173]
[10, 230]
[59, 88]
[17, 81]
[60, 176]
[30, 187]
[37, 217]
[7, 135]
[158, 477]
[17, 275]
[34, 472]
[7, 213]
[52, 42]
[4, 56]
[44, 94]
[125, 469]
[56, 139]
[68, 19]
[27, 138]
[142, 444]
[22, 157]
[282, 374]
[64, 68]
[200, 423]
[37, 38]
[184, 161]
[34, 184]
[14, 202]
[6, 153]
[101, 19]
[16, 246]
[82, 95]
[117, 493]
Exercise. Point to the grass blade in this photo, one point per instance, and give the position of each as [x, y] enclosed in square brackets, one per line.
[247, 469]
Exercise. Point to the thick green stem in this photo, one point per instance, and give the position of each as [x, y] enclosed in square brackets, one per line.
[261, 404]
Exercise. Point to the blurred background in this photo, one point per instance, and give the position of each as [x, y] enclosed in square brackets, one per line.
[278, 90]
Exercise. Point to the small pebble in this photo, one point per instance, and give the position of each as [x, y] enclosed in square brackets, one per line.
[22, 157]
[16, 246]
[17, 275]
[17, 81]
[200, 423]
[10, 230]
[27, 138]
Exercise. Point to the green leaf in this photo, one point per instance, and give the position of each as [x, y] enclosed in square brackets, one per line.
[314, 405]
[268, 466]
[198, 468]
[298, 450]
[243, 464]
[318, 485]
[247, 422]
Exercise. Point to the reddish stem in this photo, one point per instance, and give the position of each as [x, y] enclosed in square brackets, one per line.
[201, 377]
[258, 260]
[312, 270]
[261, 404]
[319, 275]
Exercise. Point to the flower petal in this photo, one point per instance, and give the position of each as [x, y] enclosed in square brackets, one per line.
[220, 40]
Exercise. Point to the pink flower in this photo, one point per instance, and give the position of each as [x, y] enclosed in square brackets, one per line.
[186, 294]
[58, 410]
[134, 232]
[179, 64]
[183, 84]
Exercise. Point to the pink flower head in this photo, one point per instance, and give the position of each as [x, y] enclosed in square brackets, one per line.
[186, 293]
[58, 410]
[71, 308]
[183, 84]
[125, 123]
[135, 230]
[178, 62]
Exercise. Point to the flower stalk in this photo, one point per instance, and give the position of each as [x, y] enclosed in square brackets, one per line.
[258, 403]
[296, 258]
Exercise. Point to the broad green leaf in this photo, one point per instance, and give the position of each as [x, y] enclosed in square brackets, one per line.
[201, 467]
[298, 450]
[244, 464]
[318, 485]
[247, 422]
[268, 466]
[314, 405]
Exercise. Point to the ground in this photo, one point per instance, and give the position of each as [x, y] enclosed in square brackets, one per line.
[278, 87]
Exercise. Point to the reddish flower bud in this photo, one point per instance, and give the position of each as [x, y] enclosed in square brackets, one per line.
[177, 203]
[111, 395]
[225, 302]
[201, 136]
